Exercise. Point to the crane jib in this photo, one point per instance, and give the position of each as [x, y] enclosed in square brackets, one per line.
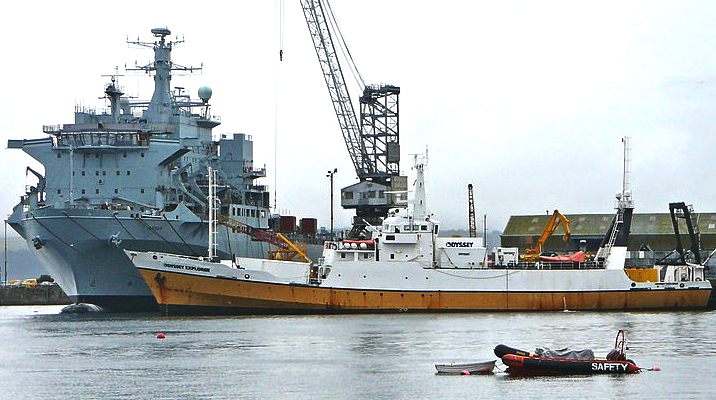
[335, 81]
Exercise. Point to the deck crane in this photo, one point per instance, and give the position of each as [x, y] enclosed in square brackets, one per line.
[373, 141]
[471, 211]
[681, 211]
[286, 250]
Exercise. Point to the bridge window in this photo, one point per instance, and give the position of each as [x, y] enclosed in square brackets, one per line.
[424, 228]
[389, 237]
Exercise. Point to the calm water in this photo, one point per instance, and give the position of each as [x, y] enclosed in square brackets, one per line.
[49, 356]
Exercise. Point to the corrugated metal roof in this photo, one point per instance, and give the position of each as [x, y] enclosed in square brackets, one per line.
[597, 224]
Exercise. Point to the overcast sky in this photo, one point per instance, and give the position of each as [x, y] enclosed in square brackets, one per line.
[526, 100]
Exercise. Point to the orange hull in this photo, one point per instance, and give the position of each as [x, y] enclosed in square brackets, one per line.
[199, 293]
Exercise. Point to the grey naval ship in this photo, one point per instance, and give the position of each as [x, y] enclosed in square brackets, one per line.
[134, 177]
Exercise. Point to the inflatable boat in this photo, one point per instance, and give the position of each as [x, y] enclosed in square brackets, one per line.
[566, 361]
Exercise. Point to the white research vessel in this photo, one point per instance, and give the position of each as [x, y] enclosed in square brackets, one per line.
[406, 267]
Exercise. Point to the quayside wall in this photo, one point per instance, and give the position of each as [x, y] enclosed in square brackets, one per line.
[32, 296]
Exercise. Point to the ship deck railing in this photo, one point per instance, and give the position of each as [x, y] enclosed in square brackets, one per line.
[545, 265]
[87, 140]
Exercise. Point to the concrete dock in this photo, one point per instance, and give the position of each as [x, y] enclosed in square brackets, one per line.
[32, 296]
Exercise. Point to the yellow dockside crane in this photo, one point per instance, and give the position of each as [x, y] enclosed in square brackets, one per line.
[532, 255]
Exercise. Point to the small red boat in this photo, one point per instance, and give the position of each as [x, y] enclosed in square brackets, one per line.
[520, 362]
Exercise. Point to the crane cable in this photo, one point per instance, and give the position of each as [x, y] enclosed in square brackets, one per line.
[344, 47]
[280, 29]
[280, 11]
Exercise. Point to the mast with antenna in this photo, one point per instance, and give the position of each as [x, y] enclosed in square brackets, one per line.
[213, 202]
[627, 199]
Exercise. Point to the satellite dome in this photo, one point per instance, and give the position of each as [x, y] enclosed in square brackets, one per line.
[205, 93]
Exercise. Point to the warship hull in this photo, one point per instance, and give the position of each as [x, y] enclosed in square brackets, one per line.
[78, 251]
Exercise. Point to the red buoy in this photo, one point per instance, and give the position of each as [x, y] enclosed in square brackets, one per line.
[465, 372]
[160, 335]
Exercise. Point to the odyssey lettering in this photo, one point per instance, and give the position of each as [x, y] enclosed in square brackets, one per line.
[187, 267]
[458, 244]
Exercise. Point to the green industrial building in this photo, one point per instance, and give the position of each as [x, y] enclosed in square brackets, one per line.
[649, 232]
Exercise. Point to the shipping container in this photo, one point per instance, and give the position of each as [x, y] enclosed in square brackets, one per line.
[287, 224]
[309, 226]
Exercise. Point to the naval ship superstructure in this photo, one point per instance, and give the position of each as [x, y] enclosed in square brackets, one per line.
[135, 177]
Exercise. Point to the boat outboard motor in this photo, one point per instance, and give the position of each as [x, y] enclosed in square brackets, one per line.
[616, 355]
[502, 350]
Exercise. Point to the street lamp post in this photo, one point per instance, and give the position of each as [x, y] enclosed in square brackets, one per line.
[330, 176]
[5, 269]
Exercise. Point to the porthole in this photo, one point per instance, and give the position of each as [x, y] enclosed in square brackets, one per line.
[633, 284]
[247, 276]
